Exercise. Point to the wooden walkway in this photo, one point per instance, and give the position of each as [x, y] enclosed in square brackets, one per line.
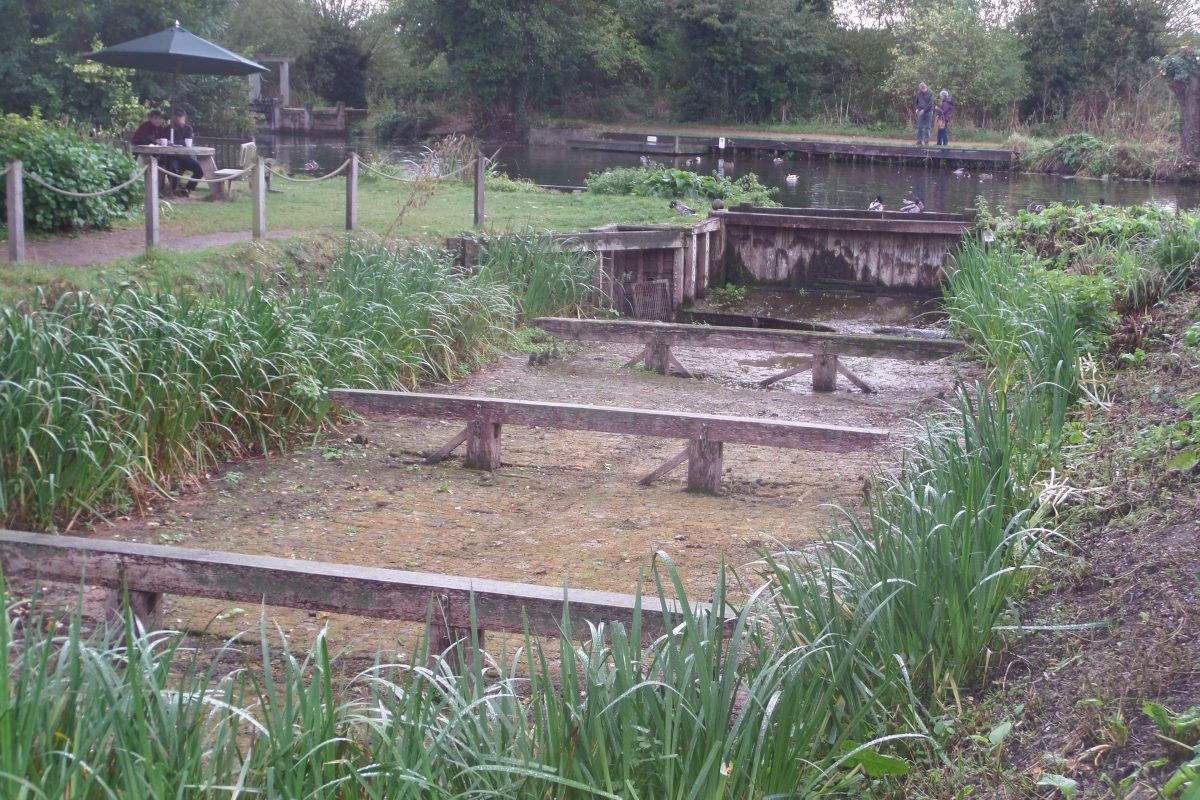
[670, 145]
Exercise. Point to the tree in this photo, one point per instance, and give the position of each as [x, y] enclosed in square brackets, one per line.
[1182, 71]
[950, 48]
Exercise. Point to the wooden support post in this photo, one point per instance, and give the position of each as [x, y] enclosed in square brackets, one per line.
[665, 467]
[640, 357]
[857, 381]
[444, 452]
[258, 199]
[146, 608]
[352, 193]
[704, 465]
[150, 210]
[480, 180]
[824, 371]
[803, 365]
[483, 444]
[658, 356]
[14, 195]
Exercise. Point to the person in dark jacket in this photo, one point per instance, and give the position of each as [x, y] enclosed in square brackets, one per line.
[945, 111]
[151, 130]
[924, 109]
[181, 135]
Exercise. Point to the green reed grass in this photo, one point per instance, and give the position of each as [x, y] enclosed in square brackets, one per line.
[104, 398]
[709, 711]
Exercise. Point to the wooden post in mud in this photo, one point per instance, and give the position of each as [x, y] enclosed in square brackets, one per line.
[483, 444]
[14, 190]
[150, 209]
[480, 180]
[704, 465]
[146, 608]
[658, 356]
[824, 371]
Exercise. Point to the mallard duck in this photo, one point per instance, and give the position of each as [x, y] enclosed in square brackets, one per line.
[311, 166]
[777, 161]
[961, 173]
[691, 162]
[912, 205]
[876, 204]
[682, 209]
[791, 179]
[1035, 208]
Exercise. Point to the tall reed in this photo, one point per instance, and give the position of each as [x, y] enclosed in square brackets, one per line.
[106, 398]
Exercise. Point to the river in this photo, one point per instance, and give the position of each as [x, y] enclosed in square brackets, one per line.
[820, 182]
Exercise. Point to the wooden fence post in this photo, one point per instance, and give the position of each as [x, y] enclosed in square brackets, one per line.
[150, 208]
[480, 178]
[258, 199]
[352, 193]
[15, 198]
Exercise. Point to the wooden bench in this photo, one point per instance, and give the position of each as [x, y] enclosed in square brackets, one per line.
[148, 571]
[706, 433]
[657, 339]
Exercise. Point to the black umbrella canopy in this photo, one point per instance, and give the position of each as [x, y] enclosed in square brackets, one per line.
[177, 51]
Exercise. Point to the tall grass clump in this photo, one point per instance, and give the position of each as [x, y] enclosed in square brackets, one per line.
[710, 710]
[106, 397]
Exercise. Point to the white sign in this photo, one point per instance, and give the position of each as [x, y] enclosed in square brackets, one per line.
[721, 143]
[652, 140]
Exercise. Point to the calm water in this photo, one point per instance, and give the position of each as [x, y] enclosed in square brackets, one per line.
[819, 182]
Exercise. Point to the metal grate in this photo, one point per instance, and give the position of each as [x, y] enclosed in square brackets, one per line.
[652, 300]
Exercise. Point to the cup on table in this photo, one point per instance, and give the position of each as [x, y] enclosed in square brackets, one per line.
[161, 142]
[187, 142]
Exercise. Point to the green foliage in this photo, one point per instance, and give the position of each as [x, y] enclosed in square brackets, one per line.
[670, 182]
[950, 48]
[728, 296]
[85, 429]
[499, 182]
[1181, 733]
[65, 159]
[404, 124]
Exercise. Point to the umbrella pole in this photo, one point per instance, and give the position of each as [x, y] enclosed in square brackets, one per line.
[171, 107]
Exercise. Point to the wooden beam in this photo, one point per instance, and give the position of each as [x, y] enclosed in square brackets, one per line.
[443, 452]
[318, 586]
[639, 422]
[902, 348]
[665, 467]
[913, 224]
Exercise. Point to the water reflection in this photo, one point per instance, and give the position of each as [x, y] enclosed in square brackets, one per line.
[820, 182]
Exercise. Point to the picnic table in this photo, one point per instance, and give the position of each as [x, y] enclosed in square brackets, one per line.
[205, 155]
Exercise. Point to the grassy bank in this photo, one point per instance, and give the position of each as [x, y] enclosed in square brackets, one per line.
[841, 673]
[1087, 155]
[110, 396]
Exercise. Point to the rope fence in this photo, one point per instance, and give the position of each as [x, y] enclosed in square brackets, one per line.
[137, 176]
[13, 175]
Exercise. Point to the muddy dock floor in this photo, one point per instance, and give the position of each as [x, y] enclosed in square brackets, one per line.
[564, 507]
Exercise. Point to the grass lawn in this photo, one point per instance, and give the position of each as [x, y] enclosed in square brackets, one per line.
[960, 137]
[321, 206]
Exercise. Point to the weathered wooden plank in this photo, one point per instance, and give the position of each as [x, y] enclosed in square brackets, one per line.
[318, 586]
[640, 422]
[665, 467]
[902, 348]
[443, 452]
[913, 224]
[847, 213]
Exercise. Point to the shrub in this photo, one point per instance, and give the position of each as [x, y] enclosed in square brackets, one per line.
[404, 124]
[65, 159]
[669, 182]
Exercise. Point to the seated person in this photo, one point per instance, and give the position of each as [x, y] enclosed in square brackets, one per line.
[182, 132]
[151, 130]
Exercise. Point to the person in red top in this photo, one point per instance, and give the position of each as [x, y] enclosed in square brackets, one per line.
[151, 130]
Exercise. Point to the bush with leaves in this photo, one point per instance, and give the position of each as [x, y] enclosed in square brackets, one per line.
[65, 159]
[669, 182]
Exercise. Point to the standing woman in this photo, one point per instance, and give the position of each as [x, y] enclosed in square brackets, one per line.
[945, 111]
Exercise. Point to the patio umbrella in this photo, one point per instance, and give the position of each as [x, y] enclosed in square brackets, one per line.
[178, 52]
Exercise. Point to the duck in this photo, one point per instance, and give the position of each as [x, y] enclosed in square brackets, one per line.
[961, 173]
[311, 166]
[690, 162]
[985, 176]
[777, 161]
[681, 209]
[876, 204]
[1036, 208]
[912, 205]
[791, 179]
[1100, 201]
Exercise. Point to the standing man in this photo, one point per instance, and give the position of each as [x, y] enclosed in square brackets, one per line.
[924, 109]
[181, 136]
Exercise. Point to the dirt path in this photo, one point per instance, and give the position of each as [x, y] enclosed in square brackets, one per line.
[565, 506]
[90, 248]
